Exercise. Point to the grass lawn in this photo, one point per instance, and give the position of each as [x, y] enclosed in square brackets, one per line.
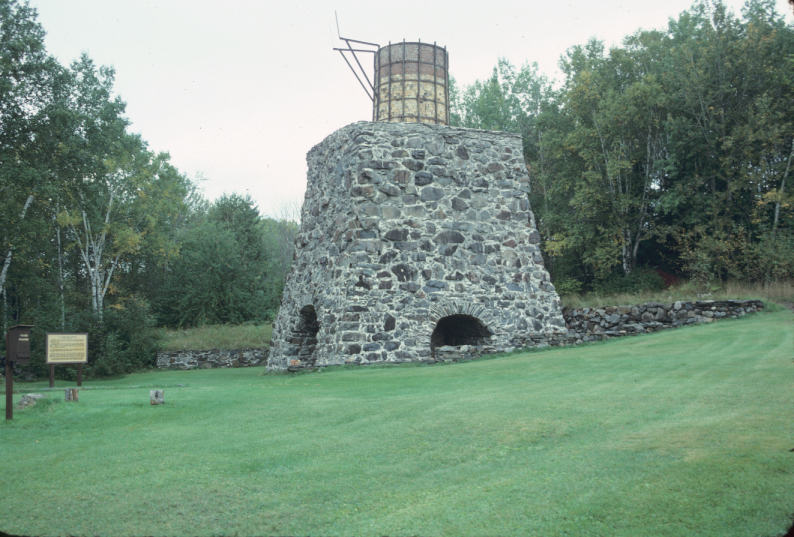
[683, 432]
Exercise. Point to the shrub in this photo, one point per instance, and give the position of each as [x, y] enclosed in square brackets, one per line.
[568, 286]
[109, 358]
[638, 281]
[122, 341]
[769, 259]
[134, 327]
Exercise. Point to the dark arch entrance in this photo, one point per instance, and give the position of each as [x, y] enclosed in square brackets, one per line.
[305, 334]
[457, 330]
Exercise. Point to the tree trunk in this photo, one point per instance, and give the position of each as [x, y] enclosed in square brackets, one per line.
[627, 251]
[781, 191]
[636, 247]
[10, 253]
[60, 276]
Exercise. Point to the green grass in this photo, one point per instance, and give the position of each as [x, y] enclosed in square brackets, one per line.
[215, 337]
[781, 291]
[683, 432]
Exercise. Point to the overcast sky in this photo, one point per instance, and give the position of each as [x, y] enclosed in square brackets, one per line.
[239, 91]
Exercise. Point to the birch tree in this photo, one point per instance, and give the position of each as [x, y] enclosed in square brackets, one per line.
[115, 200]
[618, 110]
[122, 215]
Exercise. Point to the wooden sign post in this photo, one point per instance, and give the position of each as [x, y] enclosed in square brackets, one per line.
[65, 349]
[17, 350]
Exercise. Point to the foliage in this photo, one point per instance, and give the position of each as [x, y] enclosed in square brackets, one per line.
[279, 240]
[636, 282]
[27, 76]
[568, 286]
[672, 150]
[769, 259]
[770, 292]
[202, 287]
[123, 340]
[109, 359]
[221, 274]
[690, 425]
[134, 326]
[96, 226]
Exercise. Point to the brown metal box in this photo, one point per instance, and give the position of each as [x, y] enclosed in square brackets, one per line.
[18, 344]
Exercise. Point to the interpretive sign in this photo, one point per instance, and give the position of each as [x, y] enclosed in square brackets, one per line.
[67, 348]
[18, 344]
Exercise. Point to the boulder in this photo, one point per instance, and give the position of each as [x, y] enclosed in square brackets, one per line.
[30, 399]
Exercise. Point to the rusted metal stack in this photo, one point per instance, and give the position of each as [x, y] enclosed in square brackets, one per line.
[412, 83]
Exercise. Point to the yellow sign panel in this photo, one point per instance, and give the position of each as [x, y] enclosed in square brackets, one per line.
[67, 348]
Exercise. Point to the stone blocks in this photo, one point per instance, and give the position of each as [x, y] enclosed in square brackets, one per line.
[208, 359]
[614, 321]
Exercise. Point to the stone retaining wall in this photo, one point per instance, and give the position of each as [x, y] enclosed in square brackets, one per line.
[192, 359]
[585, 325]
[588, 325]
[653, 316]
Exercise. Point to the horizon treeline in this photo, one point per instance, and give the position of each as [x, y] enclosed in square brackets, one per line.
[102, 235]
[671, 152]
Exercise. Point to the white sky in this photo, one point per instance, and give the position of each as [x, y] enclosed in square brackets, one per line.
[238, 91]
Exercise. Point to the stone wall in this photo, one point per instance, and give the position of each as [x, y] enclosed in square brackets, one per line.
[588, 325]
[585, 325]
[412, 237]
[191, 359]
[653, 316]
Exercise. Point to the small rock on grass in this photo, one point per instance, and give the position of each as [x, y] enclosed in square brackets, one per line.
[156, 397]
[30, 399]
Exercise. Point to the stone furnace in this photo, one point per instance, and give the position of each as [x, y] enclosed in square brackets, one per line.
[413, 238]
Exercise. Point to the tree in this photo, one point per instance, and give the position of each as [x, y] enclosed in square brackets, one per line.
[279, 236]
[673, 149]
[240, 216]
[618, 109]
[26, 74]
[730, 135]
[221, 273]
[118, 199]
[90, 218]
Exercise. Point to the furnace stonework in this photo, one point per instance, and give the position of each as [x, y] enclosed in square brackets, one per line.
[413, 237]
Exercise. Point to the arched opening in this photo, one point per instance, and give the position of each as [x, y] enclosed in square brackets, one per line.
[305, 334]
[457, 330]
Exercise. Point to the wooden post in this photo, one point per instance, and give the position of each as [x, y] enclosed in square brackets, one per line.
[9, 389]
[52, 375]
[79, 374]
[17, 350]
[70, 394]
